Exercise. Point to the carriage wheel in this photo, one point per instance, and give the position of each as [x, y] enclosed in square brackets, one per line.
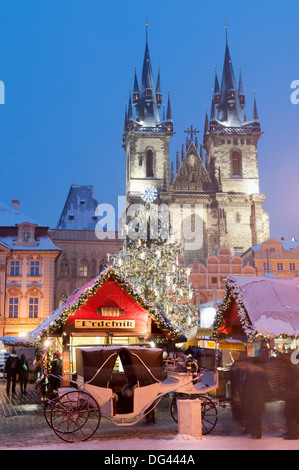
[48, 404]
[75, 416]
[209, 413]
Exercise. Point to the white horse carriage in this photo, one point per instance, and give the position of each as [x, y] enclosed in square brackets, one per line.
[74, 413]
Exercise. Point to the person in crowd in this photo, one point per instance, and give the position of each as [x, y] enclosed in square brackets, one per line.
[254, 396]
[291, 396]
[23, 370]
[11, 369]
[55, 372]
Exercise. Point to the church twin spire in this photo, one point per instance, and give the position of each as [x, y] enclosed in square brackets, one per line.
[147, 100]
[228, 102]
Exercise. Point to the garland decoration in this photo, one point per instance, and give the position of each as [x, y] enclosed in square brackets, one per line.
[48, 327]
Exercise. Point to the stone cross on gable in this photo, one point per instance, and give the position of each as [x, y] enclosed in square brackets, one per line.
[191, 131]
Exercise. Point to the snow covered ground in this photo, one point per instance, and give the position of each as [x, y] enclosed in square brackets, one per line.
[179, 442]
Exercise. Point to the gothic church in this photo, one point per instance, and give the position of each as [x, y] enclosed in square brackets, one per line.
[223, 183]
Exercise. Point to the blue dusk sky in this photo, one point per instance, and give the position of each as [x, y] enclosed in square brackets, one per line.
[68, 65]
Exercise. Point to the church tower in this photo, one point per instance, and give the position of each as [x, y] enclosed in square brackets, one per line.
[146, 138]
[230, 141]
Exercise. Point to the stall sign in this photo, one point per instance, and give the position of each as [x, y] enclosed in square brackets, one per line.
[232, 345]
[105, 324]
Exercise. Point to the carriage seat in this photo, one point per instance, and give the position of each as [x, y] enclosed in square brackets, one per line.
[209, 381]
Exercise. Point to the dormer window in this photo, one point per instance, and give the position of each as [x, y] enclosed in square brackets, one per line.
[25, 236]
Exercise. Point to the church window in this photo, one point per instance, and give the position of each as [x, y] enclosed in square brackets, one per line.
[83, 268]
[62, 300]
[238, 218]
[64, 268]
[140, 161]
[149, 164]
[236, 163]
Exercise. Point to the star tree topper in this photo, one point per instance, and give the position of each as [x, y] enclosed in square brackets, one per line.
[150, 194]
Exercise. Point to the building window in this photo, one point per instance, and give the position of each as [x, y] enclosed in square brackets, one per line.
[64, 268]
[292, 266]
[15, 268]
[33, 307]
[238, 218]
[279, 266]
[83, 269]
[149, 164]
[13, 311]
[236, 163]
[26, 236]
[34, 268]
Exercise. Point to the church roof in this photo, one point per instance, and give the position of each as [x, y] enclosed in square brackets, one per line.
[192, 174]
[79, 209]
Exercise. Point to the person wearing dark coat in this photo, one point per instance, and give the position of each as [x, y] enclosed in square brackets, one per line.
[11, 369]
[55, 372]
[291, 396]
[254, 398]
[23, 370]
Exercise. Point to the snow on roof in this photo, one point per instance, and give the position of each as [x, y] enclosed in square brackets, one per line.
[267, 307]
[9, 217]
[44, 243]
[81, 295]
[79, 210]
[286, 244]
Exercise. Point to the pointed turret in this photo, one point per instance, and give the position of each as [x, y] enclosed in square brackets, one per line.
[158, 91]
[147, 109]
[169, 122]
[135, 91]
[126, 118]
[130, 123]
[217, 94]
[256, 124]
[230, 111]
[241, 91]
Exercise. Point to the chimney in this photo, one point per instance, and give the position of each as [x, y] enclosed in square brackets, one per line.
[15, 203]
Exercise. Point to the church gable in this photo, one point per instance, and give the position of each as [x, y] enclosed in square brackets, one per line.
[192, 175]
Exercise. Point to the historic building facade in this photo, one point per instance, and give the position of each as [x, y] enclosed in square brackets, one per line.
[83, 254]
[214, 198]
[27, 272]
[278, 257]
[209, 279]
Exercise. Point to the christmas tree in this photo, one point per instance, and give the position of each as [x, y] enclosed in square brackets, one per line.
[149, 259]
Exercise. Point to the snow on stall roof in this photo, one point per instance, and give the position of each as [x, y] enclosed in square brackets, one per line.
[272, 304]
